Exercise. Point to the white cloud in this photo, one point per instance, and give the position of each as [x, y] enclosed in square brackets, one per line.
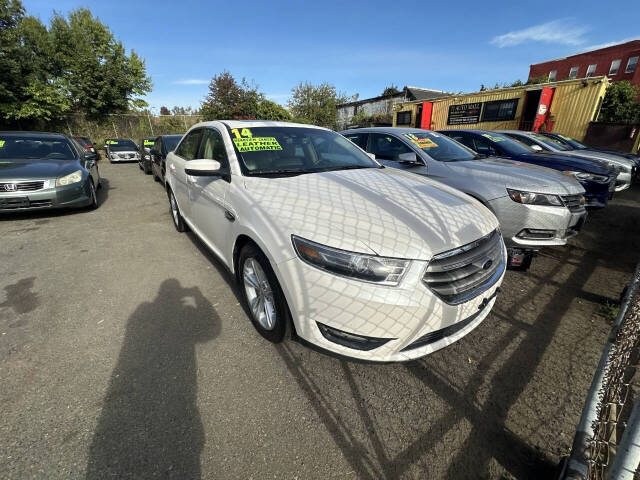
[557, 31]
[192, 81]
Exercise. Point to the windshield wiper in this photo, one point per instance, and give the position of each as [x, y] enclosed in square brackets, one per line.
[283, 171]
[347, 167]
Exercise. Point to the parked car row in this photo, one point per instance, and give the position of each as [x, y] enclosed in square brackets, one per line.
[381, 244]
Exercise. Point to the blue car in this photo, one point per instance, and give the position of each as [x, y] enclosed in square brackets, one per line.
[597, 178]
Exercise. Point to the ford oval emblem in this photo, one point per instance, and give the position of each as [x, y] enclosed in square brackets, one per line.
[487, 265]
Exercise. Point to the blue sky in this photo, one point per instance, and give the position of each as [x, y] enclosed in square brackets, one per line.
[359, 46]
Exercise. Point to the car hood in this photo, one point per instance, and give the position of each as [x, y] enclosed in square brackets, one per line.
[381, 211]
[505, 173]
[36, 169]
[561, 161]
[609, 158]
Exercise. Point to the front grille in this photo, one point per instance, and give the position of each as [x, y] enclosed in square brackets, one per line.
[127, 156]
[21, 186]
[461, 274]
[575, 203]
[22, 202]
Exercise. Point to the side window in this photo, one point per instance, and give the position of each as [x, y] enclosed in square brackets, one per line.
[359, 139]
[463, 139]
[387, 147]
[212, 147]
[157, 145]
[483, 147]
[188, 148]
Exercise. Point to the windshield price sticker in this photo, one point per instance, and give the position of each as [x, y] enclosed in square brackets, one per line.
[256, 144]
[421, 142]
[493, 137]
[1, 143]
[564, 136]
[149, 143]
[111, 142]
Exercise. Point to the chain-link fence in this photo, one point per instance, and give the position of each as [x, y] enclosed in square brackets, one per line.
[607, 442]
[133, 126]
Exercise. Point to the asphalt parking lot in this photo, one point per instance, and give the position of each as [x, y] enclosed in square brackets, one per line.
[124, 352]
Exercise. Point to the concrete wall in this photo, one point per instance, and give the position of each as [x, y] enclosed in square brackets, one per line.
[368, 107]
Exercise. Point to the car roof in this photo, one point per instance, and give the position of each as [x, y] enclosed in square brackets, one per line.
[519, 132]
[396, 130]
[170, 135]
[254, 124]
[118, 139]
[18, 133]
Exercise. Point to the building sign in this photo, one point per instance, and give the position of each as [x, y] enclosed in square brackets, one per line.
[464, 114]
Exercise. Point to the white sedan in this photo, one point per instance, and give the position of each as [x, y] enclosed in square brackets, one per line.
[356, 259]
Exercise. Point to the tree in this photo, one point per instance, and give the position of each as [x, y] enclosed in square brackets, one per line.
[164, 111]
[390, 90]
[268, 110]
[183, 111]
[316, 104]
[95, 69]
[228, 99]
[621, 103]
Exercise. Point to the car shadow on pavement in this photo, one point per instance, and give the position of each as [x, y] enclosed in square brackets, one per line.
[150, 426]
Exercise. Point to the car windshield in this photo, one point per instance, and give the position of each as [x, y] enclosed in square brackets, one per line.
[36, 148]
[509, 145]
[296, 150]
[572, 142]
[551, 142]
[440, 147]
[171, 141]
[119, 145]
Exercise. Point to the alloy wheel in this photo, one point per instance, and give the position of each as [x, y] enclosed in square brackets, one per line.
[259, 294]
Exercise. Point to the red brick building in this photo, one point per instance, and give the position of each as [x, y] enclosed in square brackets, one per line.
[618, 62]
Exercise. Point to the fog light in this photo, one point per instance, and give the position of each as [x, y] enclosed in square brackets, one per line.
[536, 234]
[351, 340]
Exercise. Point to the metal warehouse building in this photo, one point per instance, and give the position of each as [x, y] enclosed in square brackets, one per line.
[566, 107]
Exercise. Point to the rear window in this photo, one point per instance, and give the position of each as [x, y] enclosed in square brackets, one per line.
[36, 148]
[171, 141]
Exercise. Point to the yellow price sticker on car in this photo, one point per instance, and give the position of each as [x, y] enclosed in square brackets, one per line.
[111, 142]
[564, 136]
[149, 143]
[256, 144]
[425, 143]
[493, 137]
[1, 143]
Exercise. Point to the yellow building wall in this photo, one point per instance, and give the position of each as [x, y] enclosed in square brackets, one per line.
[572, 108]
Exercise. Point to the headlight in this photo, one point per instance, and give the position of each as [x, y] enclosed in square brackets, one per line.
[147, 157]
[587, 176]
[368, 268]
[531, 198]
[74, 177]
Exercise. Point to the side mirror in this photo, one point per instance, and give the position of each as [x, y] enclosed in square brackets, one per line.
[537, 148]
[203, 168]
[408, 157]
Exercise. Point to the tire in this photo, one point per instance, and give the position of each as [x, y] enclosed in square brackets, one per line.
[263, 298]
[147, 169]
[176, 216]
[94, 196]
[155, 177]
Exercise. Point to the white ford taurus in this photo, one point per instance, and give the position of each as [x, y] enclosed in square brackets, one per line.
[356, 259]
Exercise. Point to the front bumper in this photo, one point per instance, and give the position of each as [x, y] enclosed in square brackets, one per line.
[50, 197]
[522, 225]
[403, 316]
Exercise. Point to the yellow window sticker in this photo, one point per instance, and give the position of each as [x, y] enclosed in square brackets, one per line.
[111, 142]
[148, 143]
[564, 136]
[1, 143]
[256, 144]
[493, 137]
[424, 142]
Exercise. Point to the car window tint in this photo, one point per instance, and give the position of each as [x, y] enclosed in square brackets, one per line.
[387, 147]
[188, 148]
[213, 148]
[359, 139]
[483, 147]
